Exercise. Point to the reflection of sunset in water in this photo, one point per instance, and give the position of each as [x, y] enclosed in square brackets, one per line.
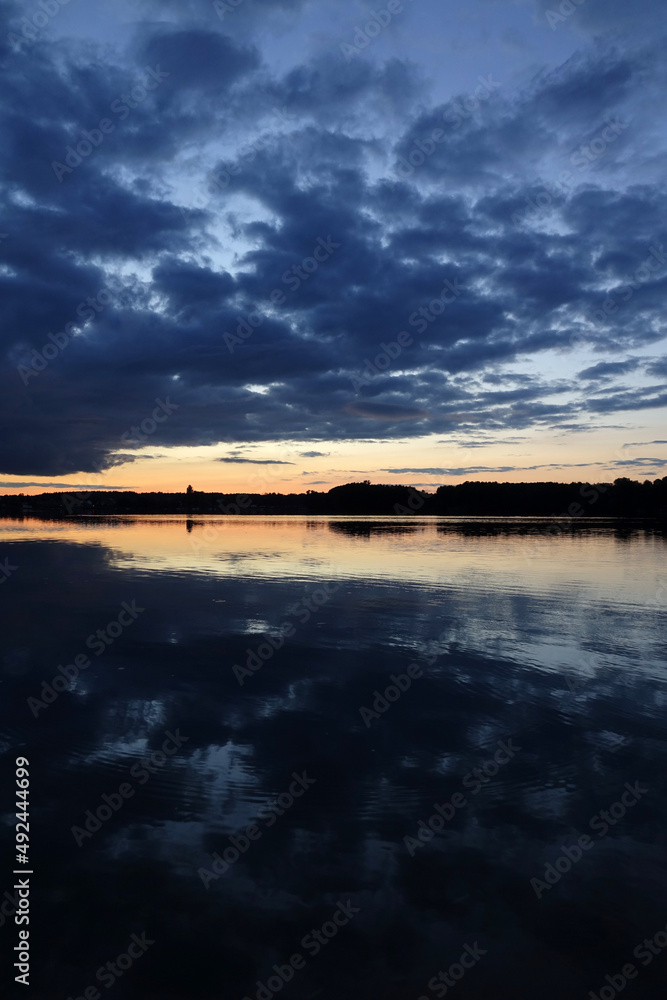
[537, 556]
[256, 643]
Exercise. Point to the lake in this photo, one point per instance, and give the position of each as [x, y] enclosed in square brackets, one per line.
[337, 757]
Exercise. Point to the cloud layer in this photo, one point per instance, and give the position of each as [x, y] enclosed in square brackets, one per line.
[320, 252]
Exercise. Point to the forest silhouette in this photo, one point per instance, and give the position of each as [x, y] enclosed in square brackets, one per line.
[623, 498]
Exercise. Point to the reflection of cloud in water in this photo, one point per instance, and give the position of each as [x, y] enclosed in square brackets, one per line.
[506, 634]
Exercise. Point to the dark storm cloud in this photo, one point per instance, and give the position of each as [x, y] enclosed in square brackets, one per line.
[331, 84]
[5, 484]
[190, 288]
[199, 61]
[488, 133]
[385, 412]
[114, 300]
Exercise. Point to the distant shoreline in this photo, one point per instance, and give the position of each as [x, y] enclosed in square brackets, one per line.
[624, 498]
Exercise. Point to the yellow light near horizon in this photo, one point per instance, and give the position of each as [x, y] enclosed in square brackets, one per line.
[599, 455]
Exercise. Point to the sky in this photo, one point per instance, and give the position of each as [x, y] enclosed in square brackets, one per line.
[279, 245]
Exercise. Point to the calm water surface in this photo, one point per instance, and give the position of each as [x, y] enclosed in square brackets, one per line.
[534, 653]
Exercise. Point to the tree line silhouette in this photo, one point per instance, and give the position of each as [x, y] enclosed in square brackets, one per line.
[622, 498]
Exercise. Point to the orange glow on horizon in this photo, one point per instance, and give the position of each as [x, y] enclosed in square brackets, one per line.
[601, 455]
